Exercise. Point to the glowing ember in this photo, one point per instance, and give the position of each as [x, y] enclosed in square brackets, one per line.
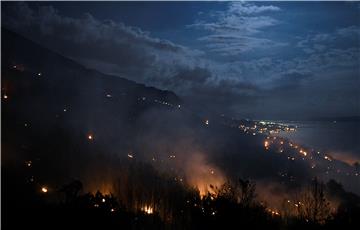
[303, 152]
[266, 144]
[5, 96]
[28, 163]
[90, 137]
[147, 209]
[130, 156]
[44, 190]
[327, 158]
[273, 212]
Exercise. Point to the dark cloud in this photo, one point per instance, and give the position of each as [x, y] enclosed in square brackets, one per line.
[129, 52]
[235, 30]
[88, 40]
[291, 80]
[186, 79]
[225, 83]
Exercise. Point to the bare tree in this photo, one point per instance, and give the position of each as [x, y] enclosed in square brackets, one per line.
[313, 205]
[242, 192]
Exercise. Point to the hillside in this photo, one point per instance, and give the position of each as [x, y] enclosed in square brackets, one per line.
[42, 91]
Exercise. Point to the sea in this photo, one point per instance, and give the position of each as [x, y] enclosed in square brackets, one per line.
[339, 139]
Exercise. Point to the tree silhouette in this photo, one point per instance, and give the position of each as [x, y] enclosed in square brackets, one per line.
[71, 190]
[313, 205]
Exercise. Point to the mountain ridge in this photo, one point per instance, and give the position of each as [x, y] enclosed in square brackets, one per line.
[15, 43]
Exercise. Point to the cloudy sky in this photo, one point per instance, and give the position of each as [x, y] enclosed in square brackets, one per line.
[263, 60]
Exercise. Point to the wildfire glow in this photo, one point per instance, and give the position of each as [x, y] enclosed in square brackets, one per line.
[147, 209]
[201, 174]
[273, 212]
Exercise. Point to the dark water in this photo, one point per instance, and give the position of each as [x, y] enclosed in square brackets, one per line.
[340, 139]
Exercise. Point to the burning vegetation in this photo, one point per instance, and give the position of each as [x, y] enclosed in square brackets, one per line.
[130, 156]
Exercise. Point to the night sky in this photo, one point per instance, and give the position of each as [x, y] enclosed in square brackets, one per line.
[263, 60]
